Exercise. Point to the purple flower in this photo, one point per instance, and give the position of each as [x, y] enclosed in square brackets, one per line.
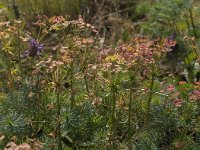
[173, 36]
[34, 48]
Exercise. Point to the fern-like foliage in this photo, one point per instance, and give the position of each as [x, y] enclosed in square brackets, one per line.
[80, 123]
[17, 111]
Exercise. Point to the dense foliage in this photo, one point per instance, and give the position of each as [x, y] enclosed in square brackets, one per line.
[99, 75]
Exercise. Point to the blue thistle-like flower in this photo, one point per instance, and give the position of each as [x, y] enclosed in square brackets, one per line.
[34, 48]
[173, 36]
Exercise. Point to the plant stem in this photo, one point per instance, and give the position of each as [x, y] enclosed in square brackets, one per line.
[71, 84]
[16, 10]
[73, 145]
[113, 119]
[190, 69]
[193, 25]
[150, 94]
[19, 55]
[86, 84]
[84, 70]
[188, 25]
[130, 112]
[58, 118]
[58, 92]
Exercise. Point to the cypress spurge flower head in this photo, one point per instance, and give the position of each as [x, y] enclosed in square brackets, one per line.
[137, 51]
